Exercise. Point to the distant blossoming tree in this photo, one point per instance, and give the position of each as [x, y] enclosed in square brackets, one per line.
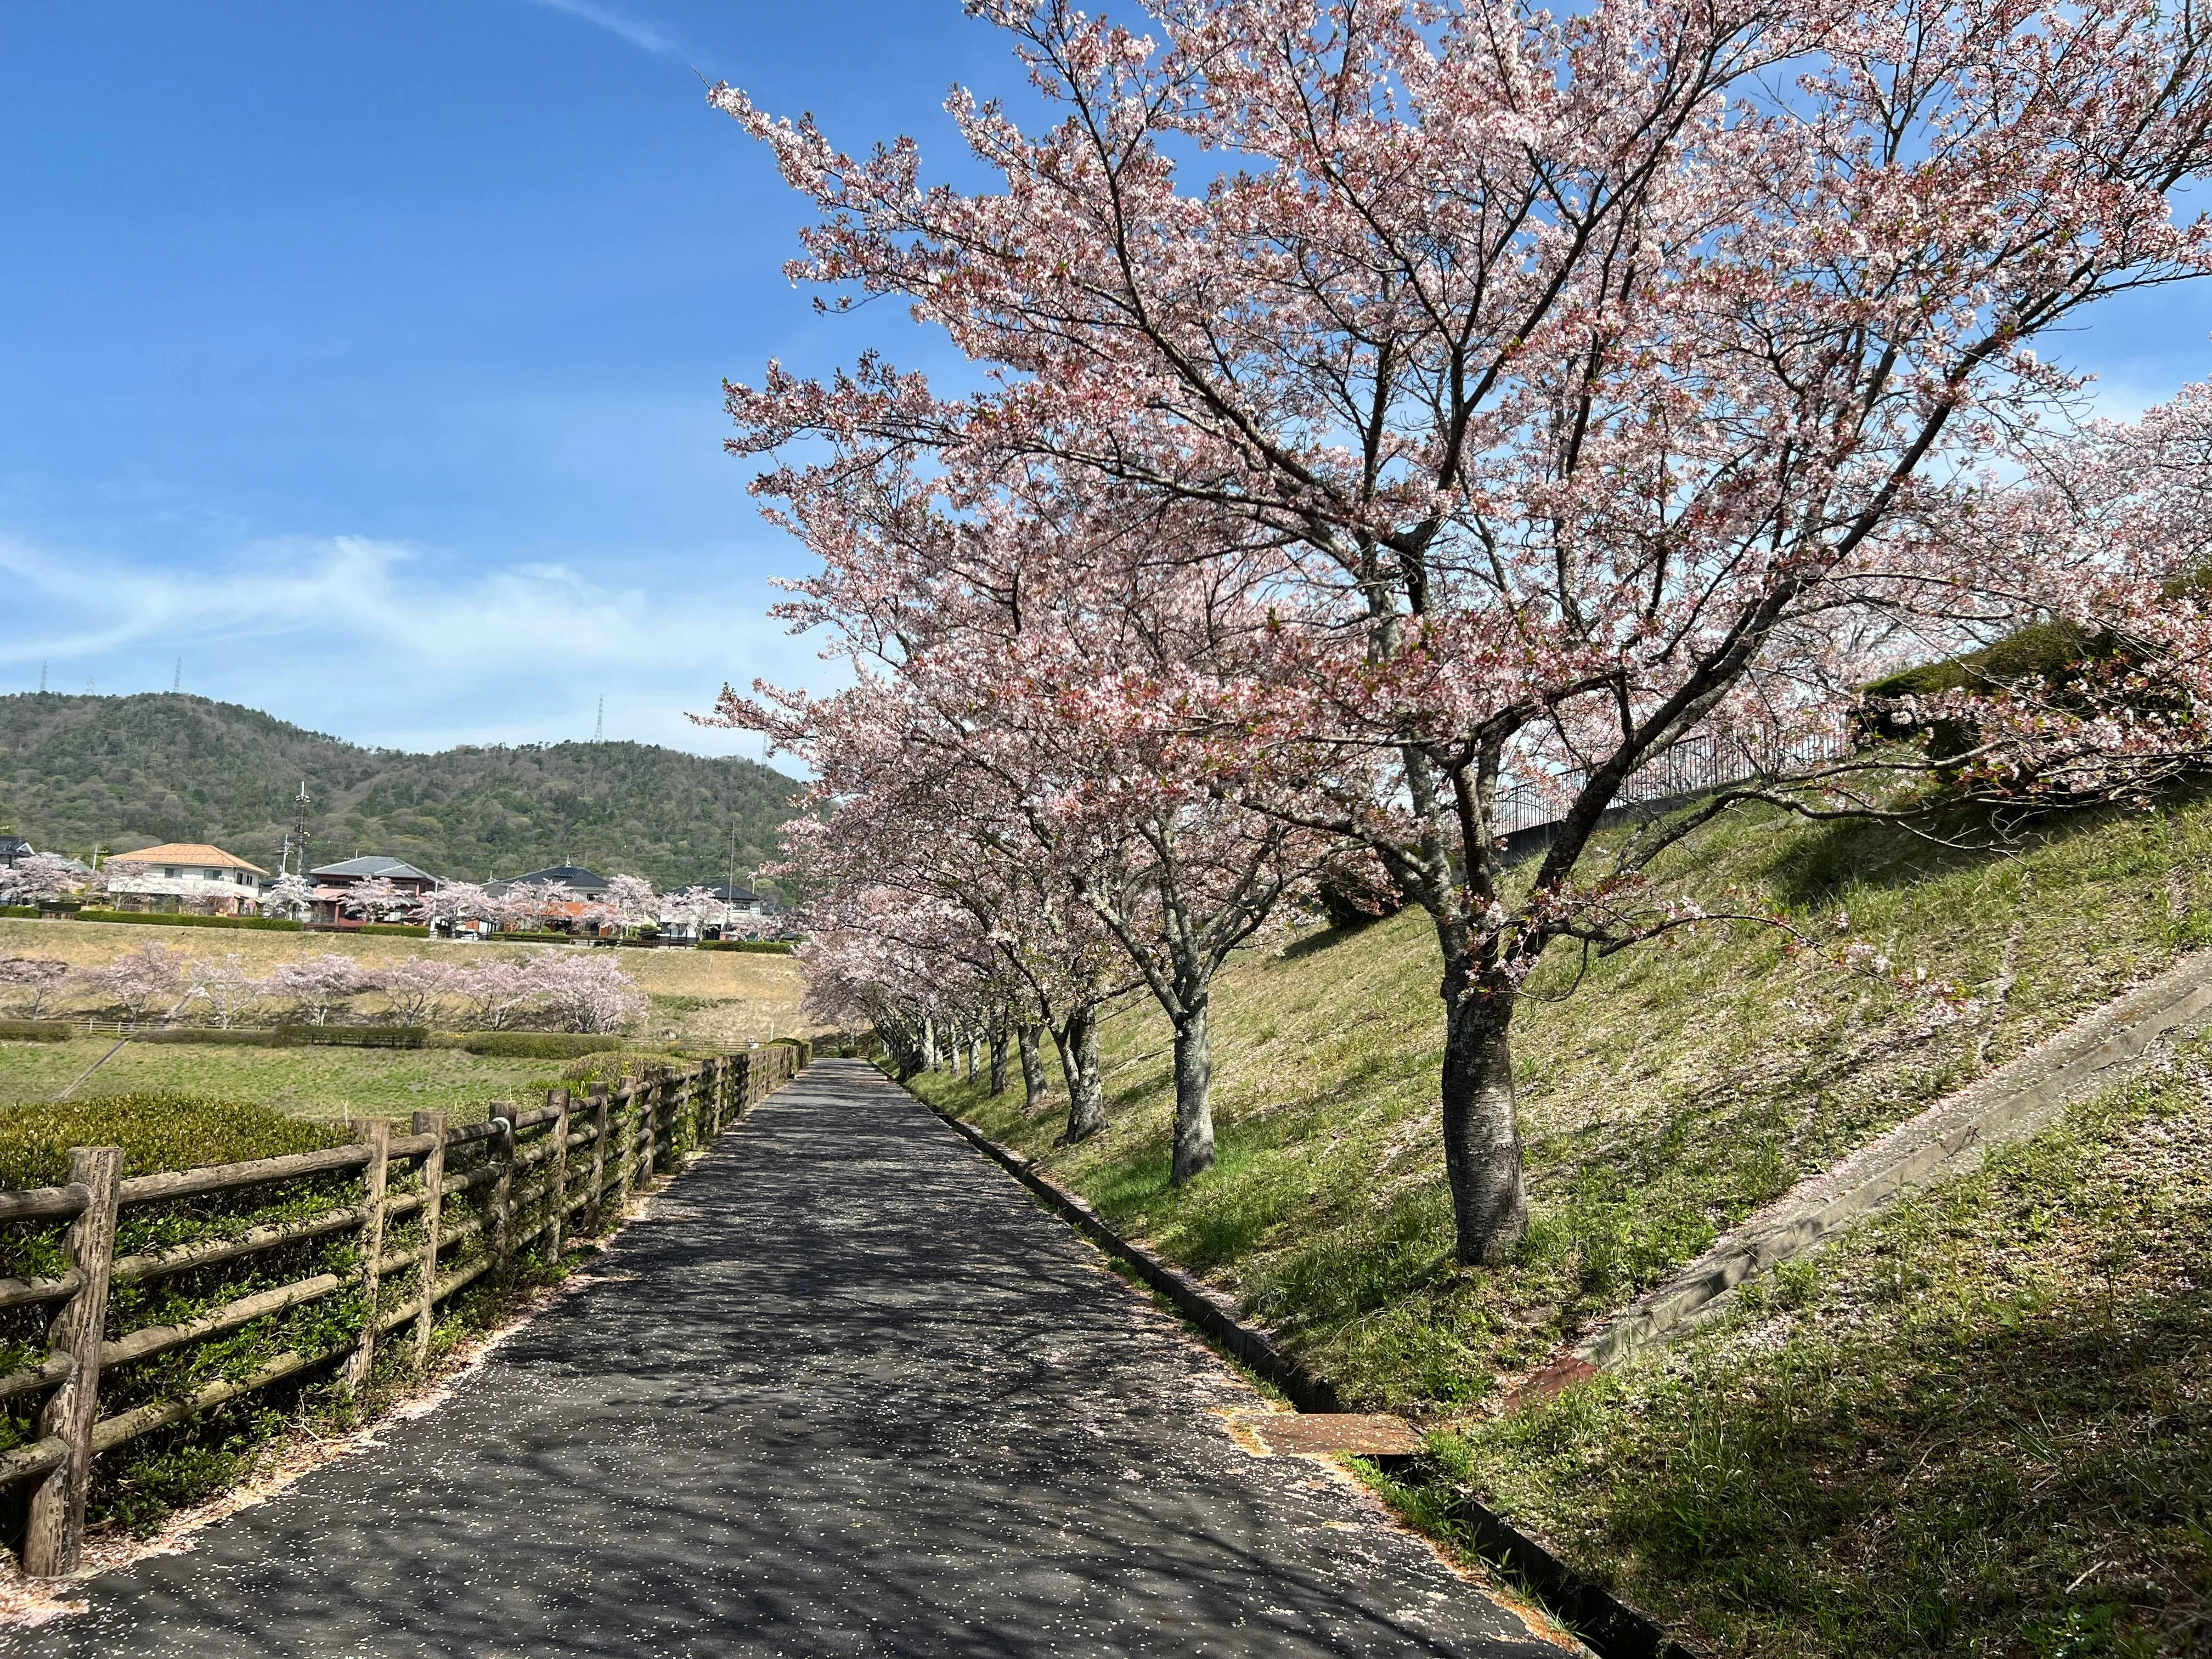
[140, 982]
[587, 992]
[38, 878]
[28, 983]
[287, 897]
[318, 986]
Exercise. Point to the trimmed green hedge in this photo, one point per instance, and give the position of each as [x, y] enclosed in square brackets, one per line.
[774, 947]
[36, 1031]
[533, 1045]
[239, 1036]
[403, 929]
[178, 919]
[28, 911]
[156, 1131]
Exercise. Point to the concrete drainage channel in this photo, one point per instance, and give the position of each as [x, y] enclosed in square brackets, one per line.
[1607, 1626]
[1949, 1139]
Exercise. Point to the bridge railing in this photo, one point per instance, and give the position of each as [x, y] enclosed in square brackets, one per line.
[361, 1243]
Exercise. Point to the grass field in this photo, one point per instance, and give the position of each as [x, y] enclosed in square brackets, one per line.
[316, 1083]
[1998, 1390]
[705, 997]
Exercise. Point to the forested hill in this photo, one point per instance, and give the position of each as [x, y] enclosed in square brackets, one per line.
[129, 772]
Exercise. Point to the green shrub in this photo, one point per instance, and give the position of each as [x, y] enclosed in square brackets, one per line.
[156, 1131]
[36, 1031]
[774, 947]
[26, 911]
[242, 1037]
[534, 1045]
[403, 929]
[178, 919]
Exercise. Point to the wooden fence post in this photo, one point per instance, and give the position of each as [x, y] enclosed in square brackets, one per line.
[649, 1123]
[375, 1133]
[626, 1154]
[502, 1189]
[54, 1540]
[558, 1100]
[596, 1094]
[434, 1180]
[696, 1096]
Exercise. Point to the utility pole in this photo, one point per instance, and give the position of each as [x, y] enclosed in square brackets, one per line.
[295, 844]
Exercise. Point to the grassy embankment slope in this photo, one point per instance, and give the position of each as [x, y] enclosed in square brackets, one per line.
[1825, 1477]
[709, 999]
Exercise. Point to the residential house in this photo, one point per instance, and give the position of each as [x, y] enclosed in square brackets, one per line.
[13, 848]
[332, 881]
[184, 876]
[587, 885]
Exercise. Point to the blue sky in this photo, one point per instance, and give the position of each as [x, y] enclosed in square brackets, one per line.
[367, 358]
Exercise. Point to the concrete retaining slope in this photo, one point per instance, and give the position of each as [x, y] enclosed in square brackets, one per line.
[1949, 1139]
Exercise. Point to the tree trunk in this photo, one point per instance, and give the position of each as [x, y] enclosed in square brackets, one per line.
[928, 1045]
[1194, 1081]
[968, 1048]
[1482, 1133]
[1077, 1039]
[1033, 1085]
[998, 1060]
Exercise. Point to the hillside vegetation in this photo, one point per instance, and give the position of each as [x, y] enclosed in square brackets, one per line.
[129, 772]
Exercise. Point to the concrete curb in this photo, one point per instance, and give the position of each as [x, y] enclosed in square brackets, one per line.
[1949, 1139]
[1609, 1626]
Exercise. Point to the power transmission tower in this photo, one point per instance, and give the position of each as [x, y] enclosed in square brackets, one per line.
[42, 679]
[176, 679]
[599, 726]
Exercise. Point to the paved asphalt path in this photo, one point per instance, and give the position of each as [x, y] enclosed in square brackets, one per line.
[847, 1391]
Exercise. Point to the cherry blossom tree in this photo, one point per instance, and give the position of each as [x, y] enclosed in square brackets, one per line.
[317, 986]
[222, 984]
[632, 899]
[417, 989]
[1598, 380]
[378, 899]
[28, 983]
[288, 896]
[38, 878]
[1056, 652]
[588, 992]
[495, 993]
[139, 982]
[455, 902]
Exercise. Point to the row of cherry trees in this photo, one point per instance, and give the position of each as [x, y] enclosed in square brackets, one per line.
[1386, 402]
[156, 981]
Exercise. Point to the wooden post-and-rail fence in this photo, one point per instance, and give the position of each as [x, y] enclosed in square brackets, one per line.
[531, 1180]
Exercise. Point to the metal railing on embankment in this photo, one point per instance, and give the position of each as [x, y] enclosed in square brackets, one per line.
[415, 1219]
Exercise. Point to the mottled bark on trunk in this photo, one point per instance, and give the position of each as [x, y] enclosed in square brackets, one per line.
[970, 1047]
[929, 1045]
[998, 1060]
[1481, 1129]
[1077, 1039]
[1194, 1081]
[1030, 1042]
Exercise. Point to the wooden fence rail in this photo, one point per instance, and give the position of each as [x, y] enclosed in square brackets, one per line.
[546, 1174]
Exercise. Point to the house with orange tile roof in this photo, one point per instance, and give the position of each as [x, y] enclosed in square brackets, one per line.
[184, 875]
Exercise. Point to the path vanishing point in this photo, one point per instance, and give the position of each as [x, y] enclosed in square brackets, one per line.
[868, 1399]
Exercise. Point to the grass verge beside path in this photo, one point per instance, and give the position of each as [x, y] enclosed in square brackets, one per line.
[1981, 1424]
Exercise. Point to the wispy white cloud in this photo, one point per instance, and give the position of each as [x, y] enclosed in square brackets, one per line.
[383, 643]
[644, 36]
